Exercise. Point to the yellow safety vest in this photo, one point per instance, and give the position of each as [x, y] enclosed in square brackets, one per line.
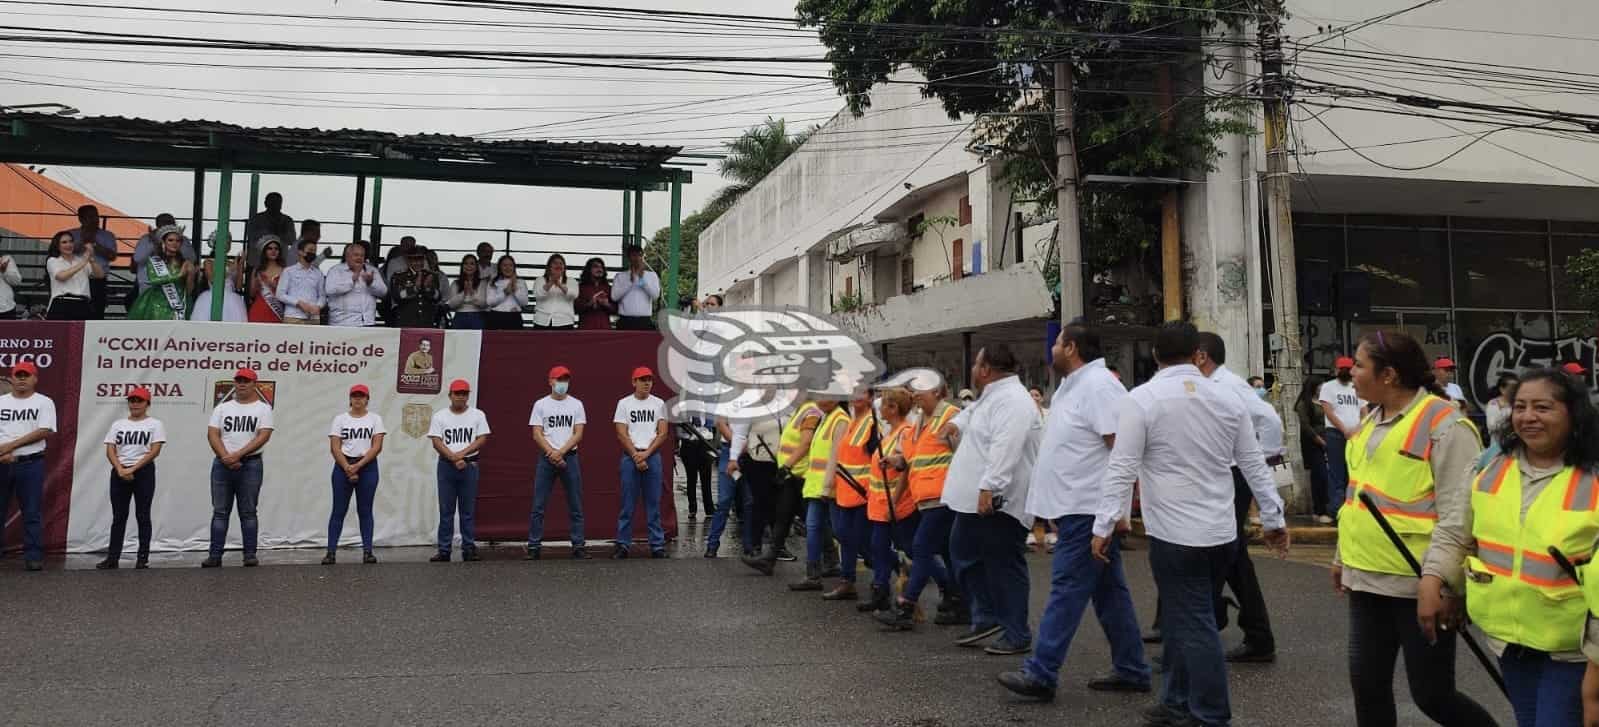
[793, 440]
[1398, 477]
[1515, 590]
[821, 447]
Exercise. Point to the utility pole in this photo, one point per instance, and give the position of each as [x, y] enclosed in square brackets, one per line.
[1171, 251]
[1275, 88]
[1068, 228]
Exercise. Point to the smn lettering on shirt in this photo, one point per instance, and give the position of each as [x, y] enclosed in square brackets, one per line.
[557, 421]
[125, 439]
[19, 415]
[1347, 400]
[239, 424]
[643, 415]
[458, 435]
[361, 433]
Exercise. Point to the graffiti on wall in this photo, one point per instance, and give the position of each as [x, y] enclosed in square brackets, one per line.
[1505, 352]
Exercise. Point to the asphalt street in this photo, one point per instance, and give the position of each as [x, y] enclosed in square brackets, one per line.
[635, 642]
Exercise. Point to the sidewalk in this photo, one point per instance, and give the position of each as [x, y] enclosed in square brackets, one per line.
[1302, 530]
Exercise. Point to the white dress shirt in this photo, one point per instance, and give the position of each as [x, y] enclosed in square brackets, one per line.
[301, 283]
[1072, 454]
[352, 302]
[998, 448]
[636, 298]
[555, 306]
[507, 298]
[1268, 425]
[10, 278]
[1178, 436]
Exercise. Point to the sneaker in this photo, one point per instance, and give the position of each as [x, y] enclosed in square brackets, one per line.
[1117, 683]
[33, 565]
[250, 561]
[620, 553]
[142, 564]
[1323, 520]
[470, 556]
[1051, 539]
[212, 562]
[107, 564]
[979, 634]
[955, 617]
[657, 554]
[532, 554]
[368, 558]
[785, 556]
[580, 553]
[329, 559]
[1032, 540]
[1162, 716]
[710, 552]
[1006, 647]
[1020, 683]
[1246, 654]
[440, 557]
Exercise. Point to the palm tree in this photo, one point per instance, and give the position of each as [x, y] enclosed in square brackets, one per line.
[752, 156]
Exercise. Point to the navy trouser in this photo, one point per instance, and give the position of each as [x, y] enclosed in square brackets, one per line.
[25, 481]
[887, 538]
[365, 489]
[1076, 579]
[141, 491]
[544, 477]
[243, 486]
[457, 493]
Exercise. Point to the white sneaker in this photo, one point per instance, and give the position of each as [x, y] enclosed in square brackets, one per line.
[1051, 539]
[1032, 540]
[1323, 520]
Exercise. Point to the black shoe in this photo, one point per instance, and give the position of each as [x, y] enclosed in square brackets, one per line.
[532, 554]
[762, 564]
[879, 601]
[580, 553]
[440, 557]
[832, 572]
[953, 612]
[1152, 636]
[107, 564]
[710, 552]
[470, 556]
[1116, 683]
[368, 558]
[141, 564]
[211, 563]
[902, 617]
[250, 561]
[1006, 647]
[620, 553]
[1162, 716]
[1020, 683]
[1157, 664]
[1246, 654]
[658, 554]
[692, 516]
[329, 559]
[33, 565]
[979, 634]
[785, 556]
[749, 553]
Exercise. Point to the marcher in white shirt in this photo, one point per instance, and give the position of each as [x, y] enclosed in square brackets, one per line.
[1497, 411]
[1342, 407]
[355, 440]
[557, 421]
[27, 419]
[1078, 434]
[131, 445]
[641, 429]
[302, 288]
[987, 488]
[354, 289]
[1177, 436]
[1444, 369]
[1260, 645]
[634, 291]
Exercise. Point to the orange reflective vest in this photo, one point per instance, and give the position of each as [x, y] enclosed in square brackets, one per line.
[883, 477]
[853, 458]
[929, 456]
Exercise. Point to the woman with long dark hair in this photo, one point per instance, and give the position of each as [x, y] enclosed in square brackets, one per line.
[469, 296]
[1539, 497]
[507, 296]
[1313, 447]
[264, 305]
[171, 281]
[556, 298]
[1412, 456]
[69, 271]
[593, 304]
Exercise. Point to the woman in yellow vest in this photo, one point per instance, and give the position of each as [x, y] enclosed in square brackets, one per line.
[1540, 493]
[782, 494]
[889, 505]
[849, 502]
[1413, 456]
[818, 491]
[927, 456]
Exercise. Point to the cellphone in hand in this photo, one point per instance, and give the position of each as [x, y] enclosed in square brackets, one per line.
[998, 501]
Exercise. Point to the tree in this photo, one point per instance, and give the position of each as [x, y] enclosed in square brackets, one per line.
[688, 259]
[995, 59]
[1583, 270]
[752, 156]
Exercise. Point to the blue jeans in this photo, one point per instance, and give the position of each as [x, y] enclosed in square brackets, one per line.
[645, 485]
[1196, 668]
[365, 489]
[1543, 693]
[244, 486]
[1076, 578]
[817, 532]
[544, 477]
[850, 526]
[726, 493]
[26, 481]
[886, 538]
[457, 492]
[990, 559]
[1337, 469]
[932, 539]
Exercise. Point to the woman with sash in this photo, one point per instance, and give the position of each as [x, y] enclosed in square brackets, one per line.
[171, 280]
[264, 305]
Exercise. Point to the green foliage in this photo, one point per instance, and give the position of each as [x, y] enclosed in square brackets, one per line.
[688, 258]
[1583, 271]
[848, 303]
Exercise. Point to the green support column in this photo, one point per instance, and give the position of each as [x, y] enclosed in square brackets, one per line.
[627, 217]
[219, 256]
[377, 217]
[676, 243]
[360, 207]
[638, 216]
[255, 193]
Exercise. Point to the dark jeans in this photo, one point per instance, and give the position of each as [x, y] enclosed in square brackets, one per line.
[1196, 668]
[496, 320]
[365, 489]
[69, 308]
[790, 502]
[141, 491]
[635, 323]
[457, 493]
[1316, 462]
[760, 478]
[990, 558]
[726, 499]
[243, 486]
[887, 538]
[26, 481]
[851, 527]
[467, 320]
[1543, 693]
[643, 485]
[1337, 469]
[544, 477]
[697, 464]
[1380, 628]
[1076, 578]
[928, 548]
[98, 298]
[1252, 615]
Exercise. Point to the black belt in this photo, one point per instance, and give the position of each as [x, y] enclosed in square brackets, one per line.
[27, 458]
[248, 458]
[471, 460]
[1274, 461]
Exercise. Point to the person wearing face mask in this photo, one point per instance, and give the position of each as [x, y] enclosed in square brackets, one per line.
[302, 288]
[558, 421]
[27, 419]
[131, 445]
[1259, 385]
[355, 440]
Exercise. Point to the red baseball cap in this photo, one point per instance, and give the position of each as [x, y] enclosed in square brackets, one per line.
[246, 373]
[360, 389]
[560, 372]
[643, 372]
[139, 392]
[460, 385]
[25, 366]
[1443, 362]
[1573, 368]
[1344, 362]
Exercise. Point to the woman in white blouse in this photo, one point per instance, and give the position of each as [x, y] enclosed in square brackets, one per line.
[507, 296]
[469, 296]
[556, 297]
[69, 274]
[1498, 410]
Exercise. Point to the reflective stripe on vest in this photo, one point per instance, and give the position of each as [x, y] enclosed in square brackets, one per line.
[877, 490]
[1398, 478]
[821, 448]
[931, 456]
[854, 459]
[793, 438]
[1516, 591]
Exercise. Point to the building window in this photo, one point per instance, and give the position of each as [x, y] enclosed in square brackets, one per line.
[907, 274]
[977, 258]
[958, 260]
[1493, 343]
[1501, 270]
[849, 286]
[966, 211]
[913, 226]
[1565, 248]
[1407, 267]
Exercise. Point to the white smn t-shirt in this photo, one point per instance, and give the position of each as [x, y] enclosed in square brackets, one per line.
[240, 422]
[133, 438]
[1343, 400]
[458, 431]
[558, 418]
[356, 433]
[20, 417]
[640, 416]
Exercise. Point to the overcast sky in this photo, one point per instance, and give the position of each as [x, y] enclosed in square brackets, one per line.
[453, 96]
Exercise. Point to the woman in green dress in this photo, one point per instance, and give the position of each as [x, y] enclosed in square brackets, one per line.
[171, 280]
